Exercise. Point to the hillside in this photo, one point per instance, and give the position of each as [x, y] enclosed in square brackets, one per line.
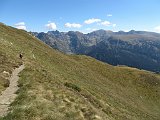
[138, 49]
[55, 86]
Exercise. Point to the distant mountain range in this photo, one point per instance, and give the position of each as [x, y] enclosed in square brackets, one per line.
[138, 49]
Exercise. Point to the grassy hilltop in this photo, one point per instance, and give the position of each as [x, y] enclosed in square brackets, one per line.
[55, 86]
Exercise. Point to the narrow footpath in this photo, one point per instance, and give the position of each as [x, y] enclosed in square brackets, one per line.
[8, 95]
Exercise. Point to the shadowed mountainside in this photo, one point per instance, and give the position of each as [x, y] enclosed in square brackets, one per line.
[134, 48]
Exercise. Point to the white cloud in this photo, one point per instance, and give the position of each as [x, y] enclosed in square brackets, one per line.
[114, 25]
[51, 26]
[72, 25]
[20, 25]
[109, 15]
[92, 20]
[105, 23]
[157, 29]
[91, 29]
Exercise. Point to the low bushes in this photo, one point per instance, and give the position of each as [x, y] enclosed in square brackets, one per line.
[72, 86]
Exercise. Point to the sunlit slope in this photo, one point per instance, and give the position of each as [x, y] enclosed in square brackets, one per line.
[55, 86]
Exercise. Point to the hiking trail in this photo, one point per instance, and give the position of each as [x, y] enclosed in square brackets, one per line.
[8, 95]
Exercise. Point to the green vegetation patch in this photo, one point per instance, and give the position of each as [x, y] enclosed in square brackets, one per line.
[73, 86]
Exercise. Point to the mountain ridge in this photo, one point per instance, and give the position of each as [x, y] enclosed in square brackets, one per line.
[139, 46]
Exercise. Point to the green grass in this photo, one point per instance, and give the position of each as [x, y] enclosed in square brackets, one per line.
[55, 86]
[7, 62]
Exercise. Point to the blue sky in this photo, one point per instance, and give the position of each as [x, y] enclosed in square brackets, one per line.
[81, 15]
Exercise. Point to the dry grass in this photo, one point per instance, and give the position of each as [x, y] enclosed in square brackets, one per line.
[106, 92]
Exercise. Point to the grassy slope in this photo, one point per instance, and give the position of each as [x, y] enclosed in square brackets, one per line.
[58, 86]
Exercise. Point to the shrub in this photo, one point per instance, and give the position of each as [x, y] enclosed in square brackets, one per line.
[73, 86]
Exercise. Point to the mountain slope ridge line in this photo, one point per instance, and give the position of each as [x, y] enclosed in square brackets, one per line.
[8, 95]
[138, 49]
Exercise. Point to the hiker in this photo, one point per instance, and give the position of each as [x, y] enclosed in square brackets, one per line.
[21, 56]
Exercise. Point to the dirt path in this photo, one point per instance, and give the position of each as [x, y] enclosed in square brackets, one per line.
[9, 95]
